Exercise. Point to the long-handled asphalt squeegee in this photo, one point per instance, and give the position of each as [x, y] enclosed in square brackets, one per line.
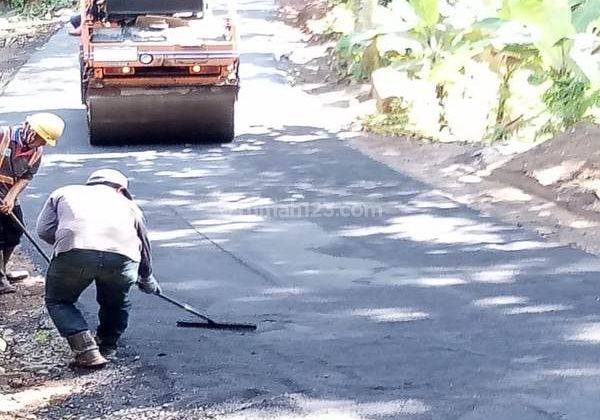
[208, 323]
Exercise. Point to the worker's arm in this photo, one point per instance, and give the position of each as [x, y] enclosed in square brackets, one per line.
[47, 222]
[145, 270]
[11, 197]
[8, 202]
[146, 280]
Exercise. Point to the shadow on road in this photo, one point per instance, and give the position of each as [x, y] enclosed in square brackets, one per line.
[375, 295]
[413, 305]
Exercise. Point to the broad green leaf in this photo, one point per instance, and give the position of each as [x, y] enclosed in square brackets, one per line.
[549, 21]
[344, 43]
[550, 17]
[588, 12]
[536, 79]
[427, 10]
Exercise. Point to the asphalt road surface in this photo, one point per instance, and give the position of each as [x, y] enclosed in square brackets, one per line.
[375, 296]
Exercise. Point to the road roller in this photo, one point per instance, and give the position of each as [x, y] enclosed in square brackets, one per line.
[155, 71]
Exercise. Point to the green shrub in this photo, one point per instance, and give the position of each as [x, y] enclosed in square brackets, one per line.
[492, 69]
[569, 98]
[38, 7]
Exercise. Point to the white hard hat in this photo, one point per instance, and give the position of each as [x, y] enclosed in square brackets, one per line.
[105, 176]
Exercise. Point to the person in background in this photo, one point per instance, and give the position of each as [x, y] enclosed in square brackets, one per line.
[94, 10]
[21, 149]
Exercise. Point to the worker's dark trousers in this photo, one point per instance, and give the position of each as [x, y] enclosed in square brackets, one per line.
[70, 273]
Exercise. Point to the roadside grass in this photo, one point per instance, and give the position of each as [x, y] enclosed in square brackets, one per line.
[34, 8]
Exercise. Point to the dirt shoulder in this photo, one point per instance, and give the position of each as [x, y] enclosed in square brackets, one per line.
[35, 379]
[20, 37]
[32, 353]
[553, 187]
[475, 176]
[565, 170]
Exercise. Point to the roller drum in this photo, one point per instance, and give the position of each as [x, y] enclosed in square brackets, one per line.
[161, 115]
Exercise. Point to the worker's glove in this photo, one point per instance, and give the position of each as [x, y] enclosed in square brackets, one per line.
[149, 285]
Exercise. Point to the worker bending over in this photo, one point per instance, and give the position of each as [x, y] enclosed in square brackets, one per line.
[98, 234]
[20, 156]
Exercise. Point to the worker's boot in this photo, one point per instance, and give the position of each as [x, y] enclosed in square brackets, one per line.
[85, 351]
[108, 348]
[5, 286]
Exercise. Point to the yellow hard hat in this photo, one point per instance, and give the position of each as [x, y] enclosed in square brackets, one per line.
[48, 126]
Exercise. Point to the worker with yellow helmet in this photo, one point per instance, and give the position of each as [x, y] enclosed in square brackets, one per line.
[20, 155]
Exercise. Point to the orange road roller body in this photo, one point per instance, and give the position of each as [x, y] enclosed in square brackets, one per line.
[158, 71]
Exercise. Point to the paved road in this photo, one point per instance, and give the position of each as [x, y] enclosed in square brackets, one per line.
[376, 296]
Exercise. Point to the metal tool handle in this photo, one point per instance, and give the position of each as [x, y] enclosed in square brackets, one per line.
[28, 235]
[185, 307]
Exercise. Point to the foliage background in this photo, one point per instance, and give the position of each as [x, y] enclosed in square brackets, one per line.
[472, 70]
[35, 7]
